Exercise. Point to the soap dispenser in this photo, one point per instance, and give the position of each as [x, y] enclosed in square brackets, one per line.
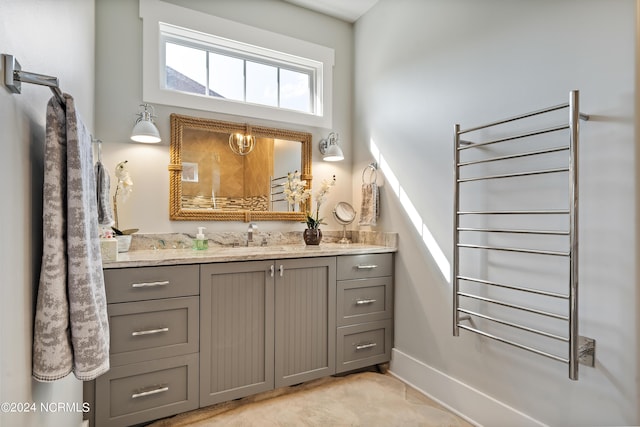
[201, 243]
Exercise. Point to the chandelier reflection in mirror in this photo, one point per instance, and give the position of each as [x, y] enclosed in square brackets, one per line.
[242, 144]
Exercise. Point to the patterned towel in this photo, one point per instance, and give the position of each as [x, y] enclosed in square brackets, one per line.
[71, 330]
[370, 207]
[105, 214]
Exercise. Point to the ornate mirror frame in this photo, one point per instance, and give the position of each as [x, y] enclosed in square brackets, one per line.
[177, 212]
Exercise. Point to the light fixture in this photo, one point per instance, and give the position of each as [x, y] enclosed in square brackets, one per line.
[331, 151]
[145, 130]
[242, 144]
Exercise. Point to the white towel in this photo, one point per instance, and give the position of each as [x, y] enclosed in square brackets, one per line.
[370, 207]
[71, 330]
[105, 214]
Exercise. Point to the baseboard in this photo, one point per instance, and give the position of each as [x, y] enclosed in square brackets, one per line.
[467, 402]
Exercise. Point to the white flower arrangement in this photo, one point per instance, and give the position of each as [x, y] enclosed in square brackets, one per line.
[320, 197]
[295, 189]
[123, 189]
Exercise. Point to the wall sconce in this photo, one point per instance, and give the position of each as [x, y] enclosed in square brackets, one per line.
[145, 130]
[331, 151]
[242, 144]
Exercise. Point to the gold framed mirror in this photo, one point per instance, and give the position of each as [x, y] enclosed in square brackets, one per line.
[209, 179]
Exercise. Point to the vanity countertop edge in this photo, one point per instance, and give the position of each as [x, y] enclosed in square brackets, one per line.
[149, 258]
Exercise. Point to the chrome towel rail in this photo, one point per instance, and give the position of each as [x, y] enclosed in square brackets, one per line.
[488, 155]
[14, 76]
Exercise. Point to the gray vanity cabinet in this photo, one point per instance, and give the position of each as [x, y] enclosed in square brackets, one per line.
[189, 336]
[365, 310]
[236, 330]
[265, 324]
[305, 319]
[153, 319]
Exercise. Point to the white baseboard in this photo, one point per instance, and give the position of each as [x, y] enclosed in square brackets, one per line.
[465, 401]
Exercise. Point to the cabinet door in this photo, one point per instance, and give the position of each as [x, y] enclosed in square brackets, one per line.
[305, 319]
[236, 330]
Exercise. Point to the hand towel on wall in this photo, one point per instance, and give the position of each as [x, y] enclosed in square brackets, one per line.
[370, 207]
[105, 214]
[71, 329]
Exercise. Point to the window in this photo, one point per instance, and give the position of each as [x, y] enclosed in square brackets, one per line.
[219, 65]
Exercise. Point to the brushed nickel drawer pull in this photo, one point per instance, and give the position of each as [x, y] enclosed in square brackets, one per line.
[365, 346]
[149, 332]
[272, 269]
[366, 267]
[150, 284]
[365, 301]
[160, 389]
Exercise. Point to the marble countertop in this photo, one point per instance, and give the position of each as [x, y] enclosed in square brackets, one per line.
[147, 258]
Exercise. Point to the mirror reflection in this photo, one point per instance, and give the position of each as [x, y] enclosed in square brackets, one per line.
[233, 171]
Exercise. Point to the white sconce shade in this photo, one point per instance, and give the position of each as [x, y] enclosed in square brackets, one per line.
[331, 151]
[145, 130]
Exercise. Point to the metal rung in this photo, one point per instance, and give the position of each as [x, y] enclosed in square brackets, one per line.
[514, 156]
[532, 212]
[515, 231]
[515, 325]
[515, 288]
[513, 175]
[520, 136]
[514, 306]
[518, 117]
[515, 344]
[504, 249]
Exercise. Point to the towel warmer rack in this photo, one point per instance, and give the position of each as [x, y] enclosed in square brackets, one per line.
[580, 349]
[14, 76]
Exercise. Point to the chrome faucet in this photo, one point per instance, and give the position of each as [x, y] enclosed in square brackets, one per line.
[252, 228]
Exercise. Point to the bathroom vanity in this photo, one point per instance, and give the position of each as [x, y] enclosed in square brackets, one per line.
[194, 328]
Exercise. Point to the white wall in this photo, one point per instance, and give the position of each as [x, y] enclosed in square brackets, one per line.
[424, 65]
[119, 91]
[54, 38]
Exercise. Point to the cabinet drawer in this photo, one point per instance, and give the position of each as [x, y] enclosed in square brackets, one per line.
[364, 266]
[140, 392]
[363, 345]
[144, 283]
[147, 330]
[364, 300]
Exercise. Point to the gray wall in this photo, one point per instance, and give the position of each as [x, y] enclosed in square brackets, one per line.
[424, 65]
[54, 38]
[119, 92]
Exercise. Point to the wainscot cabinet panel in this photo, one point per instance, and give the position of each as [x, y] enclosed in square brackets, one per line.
[236, 330]
[305, 319]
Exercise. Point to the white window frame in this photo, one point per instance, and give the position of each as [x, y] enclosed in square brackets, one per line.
[158, 17]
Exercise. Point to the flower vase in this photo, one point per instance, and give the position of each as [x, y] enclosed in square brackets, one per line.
[312, 236]
[124, 242]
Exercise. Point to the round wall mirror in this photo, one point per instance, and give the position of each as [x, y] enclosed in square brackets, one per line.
[344, 214]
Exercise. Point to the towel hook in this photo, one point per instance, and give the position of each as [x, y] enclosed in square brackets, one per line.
[99, 143]
[373, 173]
